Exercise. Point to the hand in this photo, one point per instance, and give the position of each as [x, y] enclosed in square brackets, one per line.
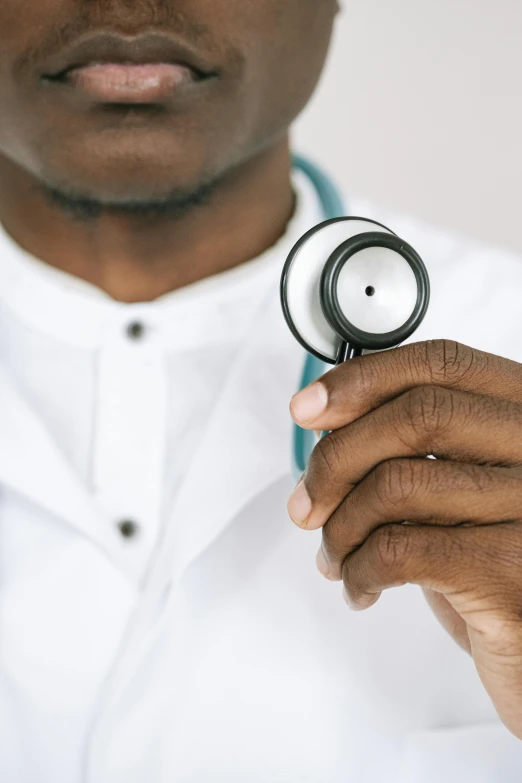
[390, 516]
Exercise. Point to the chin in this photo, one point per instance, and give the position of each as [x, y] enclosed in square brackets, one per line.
[120, 168]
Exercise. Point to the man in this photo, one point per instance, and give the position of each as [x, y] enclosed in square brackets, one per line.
[160, 618]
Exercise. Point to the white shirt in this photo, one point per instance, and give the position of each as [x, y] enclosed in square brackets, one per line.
[205, 647]
[127, 414]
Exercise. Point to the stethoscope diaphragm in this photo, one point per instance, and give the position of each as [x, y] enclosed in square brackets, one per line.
[352, 284]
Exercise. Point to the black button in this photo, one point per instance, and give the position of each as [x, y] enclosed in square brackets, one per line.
[136, 330]
[128, 528]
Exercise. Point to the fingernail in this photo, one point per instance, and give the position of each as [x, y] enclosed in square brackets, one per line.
[299, 505]
[308, 404]
[322, 564]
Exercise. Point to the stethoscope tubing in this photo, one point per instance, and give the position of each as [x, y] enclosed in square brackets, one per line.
[314, 366]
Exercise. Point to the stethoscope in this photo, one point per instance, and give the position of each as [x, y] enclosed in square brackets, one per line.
[349, 286]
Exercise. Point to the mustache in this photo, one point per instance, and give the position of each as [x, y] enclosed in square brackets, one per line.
[126, 17]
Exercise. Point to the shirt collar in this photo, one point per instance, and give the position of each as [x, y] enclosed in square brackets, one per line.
[214, 310]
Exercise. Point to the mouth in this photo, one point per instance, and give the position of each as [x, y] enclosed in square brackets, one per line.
[147, 69]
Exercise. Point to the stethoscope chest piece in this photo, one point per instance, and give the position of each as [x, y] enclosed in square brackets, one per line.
[351, 285]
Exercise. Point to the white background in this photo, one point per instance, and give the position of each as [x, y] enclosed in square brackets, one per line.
[420, 109]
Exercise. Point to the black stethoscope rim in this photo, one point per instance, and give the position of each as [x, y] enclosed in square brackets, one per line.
[286, 274]
[369, 341]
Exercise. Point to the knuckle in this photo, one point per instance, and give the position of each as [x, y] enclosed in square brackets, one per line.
[361, 378]
[351, 592]
[391, 546]
[357, 375]
[353, 581]
[428, 410]
[330, 543]
[334, 540]
[327, 455]
[483, 480]
[395, 483]
[449, 362]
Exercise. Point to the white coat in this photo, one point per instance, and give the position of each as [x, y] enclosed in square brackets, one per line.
[237, 663]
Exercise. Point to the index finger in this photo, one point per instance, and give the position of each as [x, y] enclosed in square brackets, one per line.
[360, 385]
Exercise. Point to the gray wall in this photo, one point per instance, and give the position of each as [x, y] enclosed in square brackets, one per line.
[420, 109]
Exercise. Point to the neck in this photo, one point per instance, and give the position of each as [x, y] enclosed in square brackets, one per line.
[141, 257]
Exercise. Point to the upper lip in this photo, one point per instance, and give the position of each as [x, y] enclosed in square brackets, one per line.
[108, 47]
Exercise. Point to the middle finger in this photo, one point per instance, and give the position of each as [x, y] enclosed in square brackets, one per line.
[427, 420]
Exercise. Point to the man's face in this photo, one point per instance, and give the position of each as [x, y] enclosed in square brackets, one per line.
[123, 133]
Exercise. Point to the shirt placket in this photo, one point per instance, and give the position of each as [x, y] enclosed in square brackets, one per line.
[129, 435]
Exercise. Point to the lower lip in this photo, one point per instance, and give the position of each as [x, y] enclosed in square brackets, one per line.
[126, 83]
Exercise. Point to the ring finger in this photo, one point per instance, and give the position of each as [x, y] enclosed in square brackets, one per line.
[427, 420]
[423, 492]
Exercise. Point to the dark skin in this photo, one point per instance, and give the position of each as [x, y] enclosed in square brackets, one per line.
[140, 200]
[229, 133]
[452, 525]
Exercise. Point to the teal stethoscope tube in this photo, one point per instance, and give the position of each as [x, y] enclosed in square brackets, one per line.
[333, 207]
